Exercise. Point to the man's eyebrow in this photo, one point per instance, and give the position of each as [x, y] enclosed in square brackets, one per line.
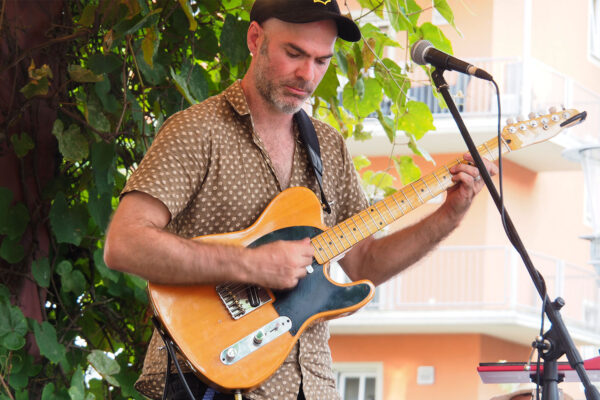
[304, 53]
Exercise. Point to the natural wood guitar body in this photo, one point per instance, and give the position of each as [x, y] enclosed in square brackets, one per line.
[197, 320]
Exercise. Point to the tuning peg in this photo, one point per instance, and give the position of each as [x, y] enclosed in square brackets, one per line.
[551, 110]
[511, 121]
[520, 118]
[533, 115]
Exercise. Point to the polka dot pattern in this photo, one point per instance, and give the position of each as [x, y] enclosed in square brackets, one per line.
[209, 168]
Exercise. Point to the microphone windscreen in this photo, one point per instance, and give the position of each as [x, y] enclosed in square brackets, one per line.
[418, 50]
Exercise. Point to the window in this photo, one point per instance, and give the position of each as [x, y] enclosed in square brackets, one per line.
[595, 30]
[359, 381]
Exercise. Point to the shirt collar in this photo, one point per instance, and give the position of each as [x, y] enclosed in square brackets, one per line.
[235, 96]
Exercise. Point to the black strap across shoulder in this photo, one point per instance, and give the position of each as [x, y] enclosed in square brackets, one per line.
[308, 135]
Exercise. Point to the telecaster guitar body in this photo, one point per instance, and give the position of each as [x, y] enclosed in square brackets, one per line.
[205, 323]
[234, 336]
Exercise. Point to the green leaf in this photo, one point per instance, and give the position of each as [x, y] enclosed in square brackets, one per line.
[35, 87]
[104, 271]
[434, 34]
[87, 15]
[361, 162]
[95, 117]
[417, 120]
[394, 81]
[69, 224]
[22, 144]
[149, 44]
[403, 15]
[4, 294]
[14, 221]
[45, 337]
[109, 102]
[77, 389]
[83, 75]
[40, 269]
[103, 160]
[182, 86]
[197, 83]
[413, 144]
[13, 326]
[368, 102]
[328, 87]
[104, 365]
[104, 63]
[64, 268]
[233, 39]
[388, 126]
[48, 392]
[407, 169]
[100, 207]
[71, 143]
[445, 11]
[73, 282]
[11, 250]
[189, 13]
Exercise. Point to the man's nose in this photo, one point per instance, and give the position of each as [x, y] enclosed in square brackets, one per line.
[306, 70]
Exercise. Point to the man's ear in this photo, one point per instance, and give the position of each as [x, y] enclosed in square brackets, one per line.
[255, 32]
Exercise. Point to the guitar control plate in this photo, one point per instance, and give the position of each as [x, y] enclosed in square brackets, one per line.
[255, 340]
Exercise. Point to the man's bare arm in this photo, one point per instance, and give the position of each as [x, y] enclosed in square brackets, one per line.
[137, 243]
[381, 259]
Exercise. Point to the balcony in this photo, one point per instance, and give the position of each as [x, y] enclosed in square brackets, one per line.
[479, 289]
[525, 87]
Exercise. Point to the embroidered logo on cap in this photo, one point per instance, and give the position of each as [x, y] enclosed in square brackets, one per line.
[324, 2]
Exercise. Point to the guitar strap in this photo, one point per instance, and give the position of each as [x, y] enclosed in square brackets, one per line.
[308, 135]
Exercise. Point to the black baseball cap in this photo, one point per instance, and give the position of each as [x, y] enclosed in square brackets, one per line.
[303, 11]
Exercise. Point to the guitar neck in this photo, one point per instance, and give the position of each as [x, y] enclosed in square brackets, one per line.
[335, 241]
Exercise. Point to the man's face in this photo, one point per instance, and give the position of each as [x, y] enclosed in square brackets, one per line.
[291, 61]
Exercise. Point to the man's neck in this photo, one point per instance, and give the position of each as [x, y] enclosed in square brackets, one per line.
[266, 118]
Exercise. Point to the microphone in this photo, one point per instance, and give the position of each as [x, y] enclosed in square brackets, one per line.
[423, 52]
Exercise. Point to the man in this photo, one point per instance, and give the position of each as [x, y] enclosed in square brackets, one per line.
[214, 167]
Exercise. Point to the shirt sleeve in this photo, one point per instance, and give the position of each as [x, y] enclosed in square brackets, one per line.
[173, 168]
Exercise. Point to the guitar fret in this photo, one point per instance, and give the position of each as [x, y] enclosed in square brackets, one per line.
[390, 211]
[371, 216]
[378, 212]
[350, 230]
[409, 203]
[324, 246]
[332, 241]
[439, 182]
[398, 204]
[358, 227]
[505, 143]
[429, 190]
[364, 222]
[342, 236]
[417, 193]
[488, 151]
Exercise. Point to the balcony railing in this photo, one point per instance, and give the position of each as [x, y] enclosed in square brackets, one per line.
[490, 278]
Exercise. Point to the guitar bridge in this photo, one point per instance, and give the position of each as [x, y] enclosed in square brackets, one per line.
[242, 298]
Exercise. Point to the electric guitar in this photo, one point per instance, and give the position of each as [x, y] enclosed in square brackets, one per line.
[234, 336]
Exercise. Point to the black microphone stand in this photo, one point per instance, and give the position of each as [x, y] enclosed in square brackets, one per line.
[557, 340]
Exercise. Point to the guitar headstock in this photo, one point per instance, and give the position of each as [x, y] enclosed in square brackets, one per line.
[540, 128]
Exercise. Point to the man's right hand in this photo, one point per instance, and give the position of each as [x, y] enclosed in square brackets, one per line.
[280, 264]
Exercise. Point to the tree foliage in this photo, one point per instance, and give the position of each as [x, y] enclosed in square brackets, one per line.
[86, 86]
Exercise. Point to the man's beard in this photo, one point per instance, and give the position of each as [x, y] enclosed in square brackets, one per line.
[274, 92]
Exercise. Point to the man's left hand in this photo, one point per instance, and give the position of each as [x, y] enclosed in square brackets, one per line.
[468, 184]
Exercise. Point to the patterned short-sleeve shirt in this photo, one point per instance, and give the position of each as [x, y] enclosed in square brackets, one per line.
[211, 170]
